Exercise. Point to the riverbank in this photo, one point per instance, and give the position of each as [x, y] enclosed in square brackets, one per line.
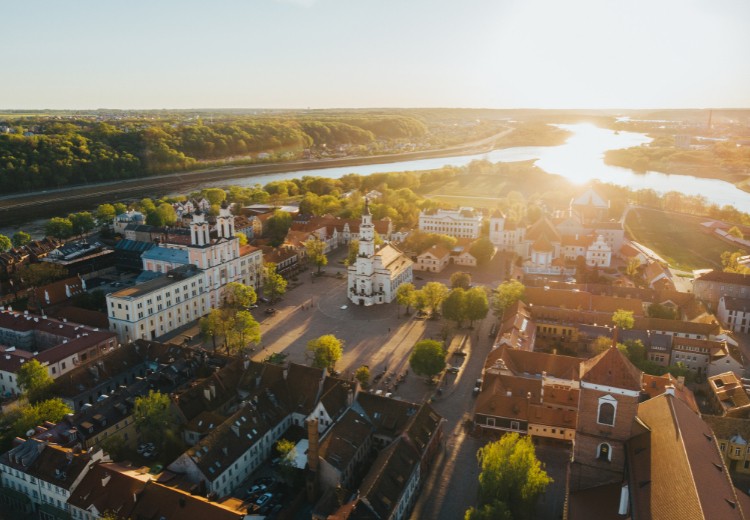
[20, 207]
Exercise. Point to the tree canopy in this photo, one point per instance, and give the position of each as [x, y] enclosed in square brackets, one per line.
[34, 379]
[506, 294]
[152, 415]
[511, 478]
[326, 350]
[274, 285]
[315, 250]
[427, 358]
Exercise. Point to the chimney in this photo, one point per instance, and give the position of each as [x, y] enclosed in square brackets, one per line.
[312, 438]
[311, 479]
[680, 382]
[669, 390]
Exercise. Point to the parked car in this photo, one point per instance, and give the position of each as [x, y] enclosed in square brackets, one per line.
[265, 497]
[452, 370]
[264, 299]
[270, 310]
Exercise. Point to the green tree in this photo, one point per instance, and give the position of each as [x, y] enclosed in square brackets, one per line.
[243, 330]
[623, 319]
[277, 227]
[656, 310]
[82, 222]
[405, 295]
[105, 213]
[315, 249]
[31, 416]
[600, 344]
[41, 273]
[120, 208]
[460, 279]
[512, 475]
[434, 293]
[146, 206]
[152, 415]
[427, 358]
[116, 447]
[735, 232]
[5, 243]
[287, 453]
[631, 269]
[274, 285]
[20, 238]
[506, 294]
[59, 227]
[731, 262]
[483, 250]
[352, 252]
[454, 306]
[214, 195]
[477, 305]
[327, 350]
[238, 295]
[34, 380]
[495, 510]
[212, 326]
[362, 374]
[242, 236]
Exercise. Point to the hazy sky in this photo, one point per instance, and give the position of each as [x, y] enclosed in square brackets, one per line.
[375, 53]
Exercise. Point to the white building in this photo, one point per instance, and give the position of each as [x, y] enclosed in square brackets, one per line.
[506, 236]
[375, 276]
[599, 254]
[196, 276]
[463, 223]
[734, 313]
[43, 475]
[156, 307]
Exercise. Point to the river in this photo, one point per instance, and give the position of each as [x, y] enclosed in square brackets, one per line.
[580, 160]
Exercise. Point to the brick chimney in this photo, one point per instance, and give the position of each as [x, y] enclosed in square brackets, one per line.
[311, 477]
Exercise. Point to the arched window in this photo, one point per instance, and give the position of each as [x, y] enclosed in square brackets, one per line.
[604, 452]
[607, 410]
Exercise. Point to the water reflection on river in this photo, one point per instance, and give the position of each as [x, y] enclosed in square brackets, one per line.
[579, 160]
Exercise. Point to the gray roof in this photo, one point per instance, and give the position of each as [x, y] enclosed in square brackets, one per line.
[165, 254]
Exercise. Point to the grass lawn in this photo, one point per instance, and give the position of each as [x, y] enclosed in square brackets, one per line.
[676, 237]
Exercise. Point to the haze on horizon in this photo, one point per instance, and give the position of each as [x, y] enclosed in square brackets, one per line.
[375, 53]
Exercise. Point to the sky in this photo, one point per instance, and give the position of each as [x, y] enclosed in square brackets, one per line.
[147, 54]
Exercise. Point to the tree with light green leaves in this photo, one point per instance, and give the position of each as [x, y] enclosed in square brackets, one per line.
[274, 285]
[506, 294]
[32, 415]
[105, 213]
[427, 358]
[511, 478]
[434, 293]
[623, 319]
[242, 331]
[326, 350]
[316, 252]
[82, 222]
[153, 416]
[59, 227]
[405, 295]
[20, 238]
[477, 305]
[5, 243]
[454, 306]
[212, 326]
[238, 295]
[34, 380]
[460, 279]
[362, 374]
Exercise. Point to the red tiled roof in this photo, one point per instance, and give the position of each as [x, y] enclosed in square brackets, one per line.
[611, 368]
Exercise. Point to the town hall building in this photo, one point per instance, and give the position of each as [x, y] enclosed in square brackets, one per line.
[374, 277]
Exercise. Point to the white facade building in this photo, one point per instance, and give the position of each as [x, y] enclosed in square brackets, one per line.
[463, 223]
[194, 281]
[375, 275]
[599, 254]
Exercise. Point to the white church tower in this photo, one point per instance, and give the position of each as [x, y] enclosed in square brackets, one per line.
[374, 277]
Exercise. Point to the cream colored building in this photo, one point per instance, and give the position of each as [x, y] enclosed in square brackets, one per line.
[461, 223]
[156, 307]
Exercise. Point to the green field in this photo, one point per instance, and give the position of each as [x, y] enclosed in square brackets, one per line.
[678, 238]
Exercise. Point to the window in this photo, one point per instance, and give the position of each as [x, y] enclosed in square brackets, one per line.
[604, 452]
[607, 409]
[737, 452]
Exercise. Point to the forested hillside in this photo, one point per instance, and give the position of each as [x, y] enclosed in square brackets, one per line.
[41, 153]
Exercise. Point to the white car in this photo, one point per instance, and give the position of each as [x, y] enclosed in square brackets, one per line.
[265, 497]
